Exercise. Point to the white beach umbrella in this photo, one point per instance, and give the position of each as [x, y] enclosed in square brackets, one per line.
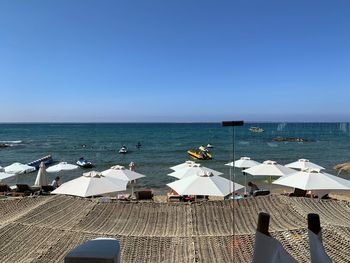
[269, 168]
[121, 173]
[313, 179]
[91, 184]
[183, 165]
[204, 184]
[19, 168]
[303, 164]
[62, 166]
[194, 169]
[243, 162]
[5, 175]
[41, 178]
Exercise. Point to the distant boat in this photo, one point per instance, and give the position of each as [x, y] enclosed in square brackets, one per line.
[84, 163]
[123, 150]
[201, 154]
[256, 129]
[47, 160]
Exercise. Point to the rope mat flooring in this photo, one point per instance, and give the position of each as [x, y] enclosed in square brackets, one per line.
[45, 229]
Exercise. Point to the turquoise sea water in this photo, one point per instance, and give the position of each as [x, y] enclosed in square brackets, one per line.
[164, 145]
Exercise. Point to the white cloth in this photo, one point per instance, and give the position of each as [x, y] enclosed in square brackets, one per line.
[316, 248]
[269, 250]
[55, 184]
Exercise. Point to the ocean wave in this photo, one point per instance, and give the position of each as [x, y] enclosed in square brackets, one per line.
[10, 142]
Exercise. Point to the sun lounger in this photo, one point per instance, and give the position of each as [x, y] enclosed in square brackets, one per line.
[4, 189]
[144, 195]
[24, 190]
[261, 193]
[174, 197]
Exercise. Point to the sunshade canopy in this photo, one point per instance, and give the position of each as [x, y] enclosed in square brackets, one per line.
[303, 164]
[91, 184]
[204, 184]
[19, 168]
[194, 169]
[121, 173]
[243, 162]
[6, 175]
[62, 166]
[183, 165]
[313, 179]
[269, 168]
[41, 178]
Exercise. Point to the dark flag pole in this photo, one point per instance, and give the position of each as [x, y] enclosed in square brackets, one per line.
[233, 124]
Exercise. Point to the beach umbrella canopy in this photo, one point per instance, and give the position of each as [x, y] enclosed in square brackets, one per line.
[41, 178]
[204, 184]
[303, 164]
[183, 165]
[62, 166]
[121, 173]
[243, 162]
[19, 168]
[269, 168]
[91, 184]
[5, 175]
[194, 169]
[313, 179]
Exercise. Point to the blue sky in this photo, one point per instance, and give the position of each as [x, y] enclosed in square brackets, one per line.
[182, 60]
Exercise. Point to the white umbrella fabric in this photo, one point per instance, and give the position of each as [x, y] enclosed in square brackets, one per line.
[269, 168]
[62, 166]
[5, 175]
[121, 173]
[303, 164]
[183, 165]
[194, 169]
[317, 252]
[243, 162]
[19, 168]
[204, 184]
[313, 179]
[269, 250]
[91, 184]
[41, 178]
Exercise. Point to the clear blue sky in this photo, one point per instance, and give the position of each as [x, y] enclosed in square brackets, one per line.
[174, 60]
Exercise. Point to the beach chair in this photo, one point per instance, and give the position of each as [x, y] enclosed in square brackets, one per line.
[144, 195]
[24, 190]
[46, 189]
[261, 193]
[5, 189]
[174, 197]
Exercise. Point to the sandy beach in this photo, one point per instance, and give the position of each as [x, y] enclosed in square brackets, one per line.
[45, 229]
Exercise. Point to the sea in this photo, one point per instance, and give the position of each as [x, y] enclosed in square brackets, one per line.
[165, 144]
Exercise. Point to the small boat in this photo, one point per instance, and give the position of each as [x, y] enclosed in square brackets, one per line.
[123, 150]
[200, 155]
[210, 145]
[84, 163]
[256, 129]
[47, 160]
[203, 149]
